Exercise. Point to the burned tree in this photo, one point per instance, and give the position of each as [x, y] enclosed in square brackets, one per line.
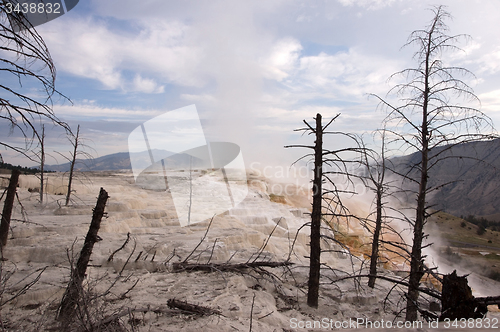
[327, 165]
[26, 60]
[42, 162]
[375, 178]
[71, 297]
[315, 263]
[378, 222]
[72, 167]
[79, 147]
[7, 208]
[435, 111]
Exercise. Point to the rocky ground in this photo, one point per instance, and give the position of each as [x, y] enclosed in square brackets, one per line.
[132, 291]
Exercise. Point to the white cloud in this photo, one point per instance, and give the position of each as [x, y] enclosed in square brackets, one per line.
[283, 59]
[490, 101]
[293, 117]
[91, 48]
[256, 66]
[344, 75]
[96, 112]
[369, 4]
[489, 63]
[147, 85]
[202, 98]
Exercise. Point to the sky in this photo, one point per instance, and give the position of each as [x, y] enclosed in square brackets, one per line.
[254, 69]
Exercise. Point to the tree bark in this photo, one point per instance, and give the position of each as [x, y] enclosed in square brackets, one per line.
[416, 268]
[42, 163]
[376, 236]
[72, 167]
[73, 291]
[7, 207]
[315, 264]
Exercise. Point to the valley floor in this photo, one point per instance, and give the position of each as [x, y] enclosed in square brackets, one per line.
[135, 286]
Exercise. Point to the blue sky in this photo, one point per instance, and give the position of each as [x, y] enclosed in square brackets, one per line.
[254, 69]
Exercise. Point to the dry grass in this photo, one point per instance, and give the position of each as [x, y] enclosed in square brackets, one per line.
[450, 229]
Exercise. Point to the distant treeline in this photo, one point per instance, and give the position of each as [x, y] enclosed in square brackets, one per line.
[483, 222]
[22, 169]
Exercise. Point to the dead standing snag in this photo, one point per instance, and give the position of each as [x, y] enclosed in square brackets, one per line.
[73, 291]
[7, 208]
[430, 117]
[337, 163]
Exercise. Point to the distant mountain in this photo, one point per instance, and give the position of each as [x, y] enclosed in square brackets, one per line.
[110, 162]
[476, 190]
[474, 175]
[121, 161]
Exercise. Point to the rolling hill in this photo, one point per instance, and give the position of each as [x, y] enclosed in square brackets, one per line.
[110, 162]
[472, 174]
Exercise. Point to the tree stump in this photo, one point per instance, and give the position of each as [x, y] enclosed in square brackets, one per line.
[457, 299]
[7, 207]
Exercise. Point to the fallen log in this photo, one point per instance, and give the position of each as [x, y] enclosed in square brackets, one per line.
[424, 290]
[489, 300]
[211, 267]
[157, 310]
[192, 308]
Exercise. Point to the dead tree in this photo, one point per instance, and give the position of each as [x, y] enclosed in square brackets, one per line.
[336, 164]
[72, 164]
[315, 263]
[428, 117]
[26, 60]
[315, 255]
[378, 222]
[7, 208]
[75, 156]
[73, 292]
[42, 162]
[377, 180]
[376, 237]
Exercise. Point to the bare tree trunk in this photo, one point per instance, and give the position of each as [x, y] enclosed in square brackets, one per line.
[376, 175]
[72, 295]
[190, 189]
[7, 207]
[376, 236]
[314, 265]
[430, 88]
[416, 268]
[72, 167]
[333, 208]
[42, 162]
